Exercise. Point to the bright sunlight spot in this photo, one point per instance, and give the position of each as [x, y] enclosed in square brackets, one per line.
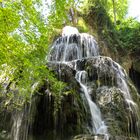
[134, 9]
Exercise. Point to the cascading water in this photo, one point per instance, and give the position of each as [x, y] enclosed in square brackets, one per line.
[98, 126]
[97, 76]
[17, 119]
[69, 48]
[74, 47]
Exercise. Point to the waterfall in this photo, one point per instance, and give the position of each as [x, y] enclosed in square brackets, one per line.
[98, 126]
[95, 75]
[20, 125]
[76, 46]
[17, 121]
[73, 47]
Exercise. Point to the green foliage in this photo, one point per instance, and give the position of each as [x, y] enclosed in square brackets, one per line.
[129, 34]
[25, 34]
[82, 25]
[98, 19]
[124, 35]
[120, 7]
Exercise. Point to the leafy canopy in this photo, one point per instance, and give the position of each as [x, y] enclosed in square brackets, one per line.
[25, 34]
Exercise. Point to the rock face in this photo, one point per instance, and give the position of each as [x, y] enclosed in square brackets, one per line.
[100, 137]
[98, 103]
[106, 82]
[134, 73]
[59, 125]
[107, 94]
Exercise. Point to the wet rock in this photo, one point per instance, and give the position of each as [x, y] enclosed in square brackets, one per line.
[64, 73]
[122, 138]
[112, 105]
[104, 81]
[102, 137]
[89, 137]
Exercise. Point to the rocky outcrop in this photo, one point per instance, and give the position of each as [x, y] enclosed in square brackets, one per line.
[106, 93]
[101, 137]
[97, 101]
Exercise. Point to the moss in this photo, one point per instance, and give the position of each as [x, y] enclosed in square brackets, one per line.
[136, 64]
[136, 98]
[81, 25]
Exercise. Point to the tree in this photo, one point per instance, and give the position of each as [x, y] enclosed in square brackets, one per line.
[117, 9]
[114, 11]
[25, 34]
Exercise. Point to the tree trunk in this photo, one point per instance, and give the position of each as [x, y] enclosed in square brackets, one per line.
[73, 16]
[114, 11]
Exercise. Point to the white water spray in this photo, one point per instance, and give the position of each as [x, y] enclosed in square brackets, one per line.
[76, 46]
[98, 126]
[70, 49]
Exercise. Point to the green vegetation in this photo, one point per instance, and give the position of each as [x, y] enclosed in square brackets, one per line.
[26, 33]
[129, 31]
[108, 20]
